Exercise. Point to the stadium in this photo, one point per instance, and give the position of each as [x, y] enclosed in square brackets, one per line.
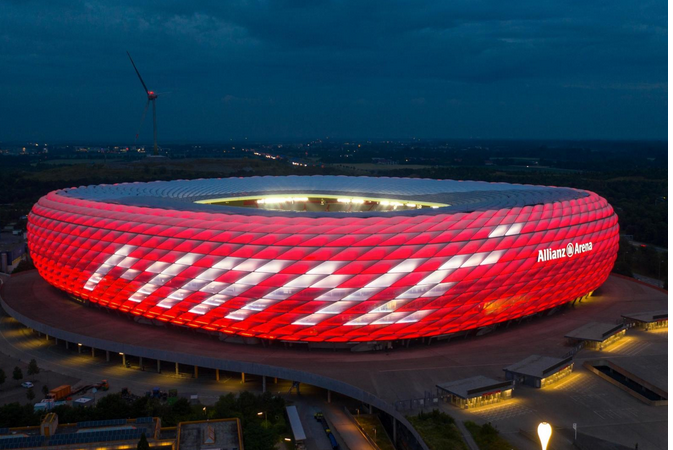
[324, 258]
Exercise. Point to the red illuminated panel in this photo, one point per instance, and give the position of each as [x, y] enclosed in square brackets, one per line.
[338, 279]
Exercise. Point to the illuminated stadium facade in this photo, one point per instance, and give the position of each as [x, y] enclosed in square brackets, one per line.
[323, 258]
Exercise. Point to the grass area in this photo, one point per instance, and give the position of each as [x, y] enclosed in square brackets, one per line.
[438, 430]
[487, 437]
[371, 422]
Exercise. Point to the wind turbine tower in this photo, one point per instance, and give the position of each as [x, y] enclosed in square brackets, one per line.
[151, 97]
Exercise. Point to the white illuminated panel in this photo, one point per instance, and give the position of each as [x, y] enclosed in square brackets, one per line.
[515, 229]
[455, 262]
[327, 268]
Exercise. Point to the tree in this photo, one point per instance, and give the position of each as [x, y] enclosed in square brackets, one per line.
[18, 374]
[32, 367]
[24, 265]
[30, 394]
[3, 377]
[142, 443]
[45, 389]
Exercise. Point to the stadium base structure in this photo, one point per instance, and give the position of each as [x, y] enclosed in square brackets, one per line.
[325, 259]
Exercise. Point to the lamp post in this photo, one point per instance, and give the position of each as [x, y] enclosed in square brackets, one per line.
[266, 422]
[544, 433]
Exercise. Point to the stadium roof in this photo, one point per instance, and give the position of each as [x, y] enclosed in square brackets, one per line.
[648, 316]
[595, 331]
[460, 196]
[538, 366]
[474, 386]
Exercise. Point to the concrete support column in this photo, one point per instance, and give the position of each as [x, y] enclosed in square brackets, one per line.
[93, 352]
[158, 366]
[196, 371]
[217, 374]
[79, 348]
[242, 377]
[394, 431]
[56, 341]
[46, 336]
[107, 355]
[275, 380]
[177, 369]
[141, 363]
[370, 410]
[329, 396]
[66, 345]
[124, 359]
[263, 384]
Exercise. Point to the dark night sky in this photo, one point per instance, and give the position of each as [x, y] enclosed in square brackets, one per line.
[314, 68]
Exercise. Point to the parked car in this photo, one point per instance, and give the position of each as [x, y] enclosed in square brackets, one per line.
[27, 384]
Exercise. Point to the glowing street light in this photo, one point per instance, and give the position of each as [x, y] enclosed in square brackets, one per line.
[544, 433]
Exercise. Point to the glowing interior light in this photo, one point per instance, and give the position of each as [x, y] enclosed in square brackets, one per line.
[411, 205]
[274, 200]
[344, 200]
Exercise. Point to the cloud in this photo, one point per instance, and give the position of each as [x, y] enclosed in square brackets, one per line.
[331, 60]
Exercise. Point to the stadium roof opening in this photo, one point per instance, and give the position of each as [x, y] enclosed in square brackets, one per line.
[321, 203]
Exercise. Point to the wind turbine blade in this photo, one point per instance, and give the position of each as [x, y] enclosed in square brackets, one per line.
[142, 119]
[139, 77]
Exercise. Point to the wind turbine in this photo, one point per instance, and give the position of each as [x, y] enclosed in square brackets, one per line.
[151, 97]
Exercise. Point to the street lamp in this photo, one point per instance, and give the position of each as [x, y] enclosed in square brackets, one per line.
[265, 421]
[544, 433]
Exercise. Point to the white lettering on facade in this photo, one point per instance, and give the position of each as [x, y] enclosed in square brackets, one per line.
[549, 254]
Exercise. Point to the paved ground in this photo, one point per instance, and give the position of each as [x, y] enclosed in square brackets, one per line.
[599, 408]
[653, 281]
[11, 390]
[24, 345]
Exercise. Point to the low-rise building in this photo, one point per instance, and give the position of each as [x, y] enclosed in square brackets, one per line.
[539, 371]
[475, 391]
[12, 251]
[647, 320]
[596, 335]
[118, 434]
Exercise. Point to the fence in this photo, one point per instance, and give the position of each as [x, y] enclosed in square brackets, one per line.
[428, 401]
